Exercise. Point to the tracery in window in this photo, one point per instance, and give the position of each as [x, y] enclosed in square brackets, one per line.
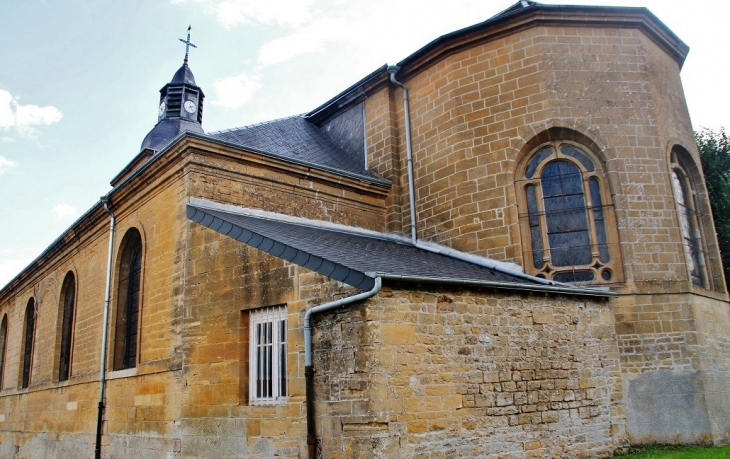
[68, 300]
[566, 215]
[689, 220]
[128, 298]
[28, 342]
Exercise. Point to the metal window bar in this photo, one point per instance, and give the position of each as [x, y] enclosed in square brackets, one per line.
[132, 310]
[268, 378]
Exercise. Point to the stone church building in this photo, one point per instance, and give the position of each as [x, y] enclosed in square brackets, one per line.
[500, 247]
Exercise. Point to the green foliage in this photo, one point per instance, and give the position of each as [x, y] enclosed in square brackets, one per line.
[715, 155]
[677, 452]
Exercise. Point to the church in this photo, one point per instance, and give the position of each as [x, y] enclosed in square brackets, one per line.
[501, 246]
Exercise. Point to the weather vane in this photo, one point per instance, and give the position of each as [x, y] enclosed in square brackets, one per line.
[187, 46]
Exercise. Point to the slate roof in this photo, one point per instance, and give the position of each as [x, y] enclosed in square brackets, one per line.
[297, 139]
[183, 76]
[166, 130]
[350, 255]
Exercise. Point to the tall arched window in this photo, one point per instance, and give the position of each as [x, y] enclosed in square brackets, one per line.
[128, 296]
[68, 300]
[566, 216]
[28, 341]
[3, 347]
[689, 219]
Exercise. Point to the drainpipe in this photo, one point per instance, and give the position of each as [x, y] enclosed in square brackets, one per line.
[393, 69]
[102, 369]
[308, 367]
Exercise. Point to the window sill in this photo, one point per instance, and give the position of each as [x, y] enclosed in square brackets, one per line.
[119, 374]
[277, 402]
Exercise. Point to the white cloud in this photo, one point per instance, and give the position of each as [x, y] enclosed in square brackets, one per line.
[6, 164]
[287, 13]
[12, 261]
[64, 211]
[25, 118]
[309, 39]
[236, 91]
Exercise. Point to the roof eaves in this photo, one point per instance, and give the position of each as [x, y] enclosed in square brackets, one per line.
[346, 98]
[677, 49]
[521, 286]
[286, 252]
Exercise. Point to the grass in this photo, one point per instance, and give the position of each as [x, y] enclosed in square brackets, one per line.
[677, 452]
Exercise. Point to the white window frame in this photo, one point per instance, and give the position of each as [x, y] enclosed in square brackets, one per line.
[268, 357]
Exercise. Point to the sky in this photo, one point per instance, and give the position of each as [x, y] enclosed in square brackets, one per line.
[80, 80]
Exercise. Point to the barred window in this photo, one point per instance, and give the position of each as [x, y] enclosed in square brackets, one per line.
[566, 216]
[268, 356]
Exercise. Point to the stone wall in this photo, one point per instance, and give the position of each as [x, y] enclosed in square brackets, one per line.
[456, 373]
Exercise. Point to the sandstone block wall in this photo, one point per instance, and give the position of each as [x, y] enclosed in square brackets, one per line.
[451, 373]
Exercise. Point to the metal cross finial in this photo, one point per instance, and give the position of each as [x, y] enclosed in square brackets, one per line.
[187, 46]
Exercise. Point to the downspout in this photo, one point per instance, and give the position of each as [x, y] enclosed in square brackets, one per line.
[308, 367]
[102, 369]
[393, 69]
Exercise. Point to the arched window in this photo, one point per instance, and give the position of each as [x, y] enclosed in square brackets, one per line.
[3, 347]
[128, 296]
[566, 216]
[68, 300]
[689, 219]
[28, 341]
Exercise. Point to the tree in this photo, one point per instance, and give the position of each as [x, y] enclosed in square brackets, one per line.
[715, 155]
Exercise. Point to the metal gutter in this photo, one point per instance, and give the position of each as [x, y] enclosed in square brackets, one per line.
[592, 292]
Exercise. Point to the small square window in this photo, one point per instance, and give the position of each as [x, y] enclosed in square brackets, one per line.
[268, 356]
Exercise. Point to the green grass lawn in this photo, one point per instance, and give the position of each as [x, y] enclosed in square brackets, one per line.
[676, 452]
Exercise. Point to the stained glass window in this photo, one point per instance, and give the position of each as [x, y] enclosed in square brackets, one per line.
[3, 346]
[67, 317]
[565, 217]
[128, 298]
[687, 226]
[29, 339]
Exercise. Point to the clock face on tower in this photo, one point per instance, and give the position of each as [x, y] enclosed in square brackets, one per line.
[190, 106]
[161, 110]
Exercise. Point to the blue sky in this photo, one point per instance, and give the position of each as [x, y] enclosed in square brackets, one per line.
[80, 80]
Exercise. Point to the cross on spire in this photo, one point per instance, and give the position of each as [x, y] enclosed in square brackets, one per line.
[187, 46]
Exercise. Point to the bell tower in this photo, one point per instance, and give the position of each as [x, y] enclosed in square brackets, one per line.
[180, 108]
